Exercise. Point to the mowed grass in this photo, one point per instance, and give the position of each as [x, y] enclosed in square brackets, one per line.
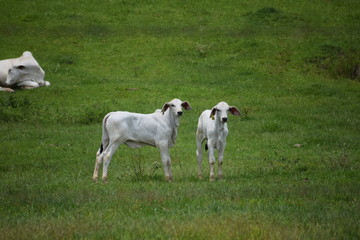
[291, 167]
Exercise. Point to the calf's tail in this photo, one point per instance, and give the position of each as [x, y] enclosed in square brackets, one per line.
[101, 148]
[105, 135]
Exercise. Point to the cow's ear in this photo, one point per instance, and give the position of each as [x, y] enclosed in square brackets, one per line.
[234, 111]
[186, 105]
[213, 111]
[21, 67]
[165, 107]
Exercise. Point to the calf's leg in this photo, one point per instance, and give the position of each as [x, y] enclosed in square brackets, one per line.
[199, 155]
[28, 85]
[166, 161]
[99, 159]
[211, 160]
[108, 154]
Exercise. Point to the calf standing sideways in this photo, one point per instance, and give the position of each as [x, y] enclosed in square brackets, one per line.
[158, 129]
[212, 126]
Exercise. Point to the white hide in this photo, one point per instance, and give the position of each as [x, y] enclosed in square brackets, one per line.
[158, 129]
[212, 127]
[22, 72]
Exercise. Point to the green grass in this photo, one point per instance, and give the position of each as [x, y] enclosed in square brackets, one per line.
[290, 68]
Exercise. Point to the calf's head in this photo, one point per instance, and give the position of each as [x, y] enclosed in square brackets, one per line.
[25, 68]
[176, 106]
[221, 111]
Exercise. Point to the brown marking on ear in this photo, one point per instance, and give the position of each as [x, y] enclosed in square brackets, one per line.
[186, 105]
[234, 111]
[165, 107]
[213, 113]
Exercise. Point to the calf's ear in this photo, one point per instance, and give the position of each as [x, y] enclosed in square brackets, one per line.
[213, 111]
[186, 105]
[165, 107]
[234, 111]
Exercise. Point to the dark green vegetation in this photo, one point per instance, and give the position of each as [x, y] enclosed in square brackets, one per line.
[291, 68]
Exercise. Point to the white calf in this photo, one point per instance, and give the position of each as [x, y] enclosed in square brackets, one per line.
[212, 126]
[158, 129]
[22, 72]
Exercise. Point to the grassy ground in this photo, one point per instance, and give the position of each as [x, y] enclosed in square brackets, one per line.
[292, 69]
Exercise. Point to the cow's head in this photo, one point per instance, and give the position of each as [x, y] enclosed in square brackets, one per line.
[176, 106]
[24, 69]
[221, 111]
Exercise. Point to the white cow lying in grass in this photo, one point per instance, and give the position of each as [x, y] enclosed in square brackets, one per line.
[158, 129]
[23, 72]
[212, 126]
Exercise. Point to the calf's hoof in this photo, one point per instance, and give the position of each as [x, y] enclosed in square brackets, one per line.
[169, 179]
[9, 90]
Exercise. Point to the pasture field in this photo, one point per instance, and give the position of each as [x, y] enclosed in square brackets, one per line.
[292, 162]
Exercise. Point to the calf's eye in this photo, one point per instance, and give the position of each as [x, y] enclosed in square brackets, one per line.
[21, 67]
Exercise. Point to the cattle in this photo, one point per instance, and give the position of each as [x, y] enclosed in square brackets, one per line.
[158, 129]
[23, 72]
[212, 127]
